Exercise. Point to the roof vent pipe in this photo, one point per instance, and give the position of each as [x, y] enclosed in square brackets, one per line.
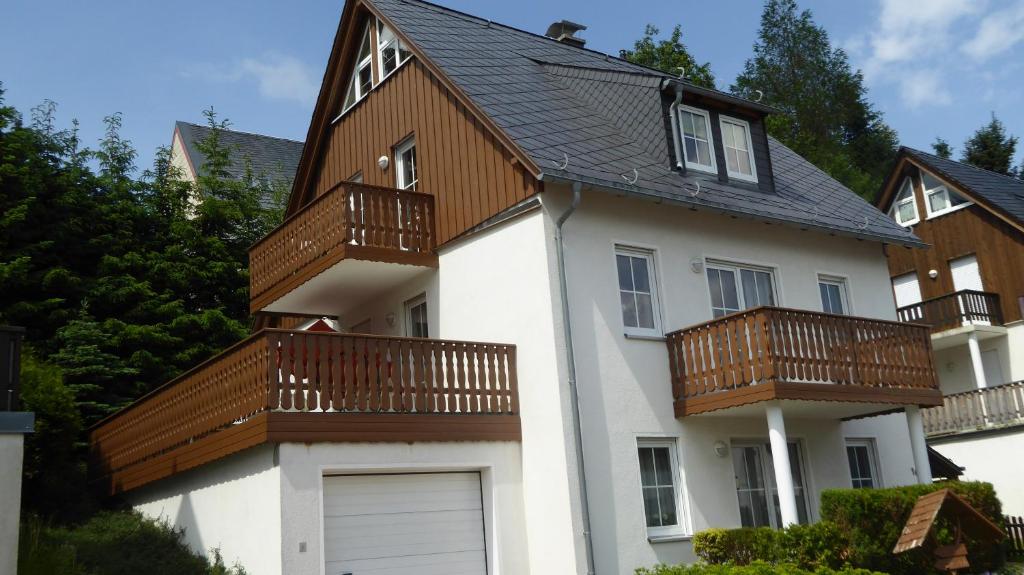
[564, 31]
[673, 119]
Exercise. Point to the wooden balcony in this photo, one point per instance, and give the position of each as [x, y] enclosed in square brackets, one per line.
[976, 410]
[965, 307]
[770, 353]
[296, 386]
[351, 222]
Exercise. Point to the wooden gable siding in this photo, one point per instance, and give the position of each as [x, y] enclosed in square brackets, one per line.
[998, 246]
[470, 174]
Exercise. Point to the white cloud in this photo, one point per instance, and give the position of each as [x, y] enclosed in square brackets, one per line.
[924, 87]
[277, 76]
[998, 32]
[913, 29]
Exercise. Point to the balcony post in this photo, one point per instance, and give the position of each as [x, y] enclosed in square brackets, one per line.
[780, 461]
[915, 425]
[979, 367]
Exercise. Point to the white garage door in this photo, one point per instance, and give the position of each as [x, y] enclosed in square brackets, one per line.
[422, 523]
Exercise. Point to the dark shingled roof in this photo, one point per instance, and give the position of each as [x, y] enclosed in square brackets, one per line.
[585, 116]
[275, 159]
[1004, 192]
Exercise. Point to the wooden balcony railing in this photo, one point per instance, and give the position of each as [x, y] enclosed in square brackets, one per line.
[954, 310]
[338, 379]
[350, 220]
[774, 353]
[995, 406]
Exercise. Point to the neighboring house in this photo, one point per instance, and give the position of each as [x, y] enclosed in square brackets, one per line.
[271, 159]
[14, 425]
[695, 325]
[969, 287]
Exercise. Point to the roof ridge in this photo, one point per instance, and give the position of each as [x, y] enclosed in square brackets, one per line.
[240, 132]
[1017, 181]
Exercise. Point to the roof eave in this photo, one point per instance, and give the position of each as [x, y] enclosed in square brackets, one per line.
[720, 96]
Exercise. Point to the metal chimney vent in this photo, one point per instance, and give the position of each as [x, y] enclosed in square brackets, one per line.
[564, 31]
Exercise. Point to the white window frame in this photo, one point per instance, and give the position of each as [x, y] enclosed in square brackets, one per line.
[713, 168]
[844, 292]
[367, 61]
[736, 269]
[912, 200]
[771, 485]
[652, 272]
[873, 463]
[942, 188]
[400, 150]
[380, 75]
[411, 305]
[681, 528]
[752, 177]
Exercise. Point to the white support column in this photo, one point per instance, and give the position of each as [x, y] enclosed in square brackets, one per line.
[915, 425]
[979, 367]
[780, 460]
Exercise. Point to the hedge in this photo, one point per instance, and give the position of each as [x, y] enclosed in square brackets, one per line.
[755, 568]
[806, 546]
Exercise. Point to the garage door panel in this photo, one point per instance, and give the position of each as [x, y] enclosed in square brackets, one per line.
[405, 523]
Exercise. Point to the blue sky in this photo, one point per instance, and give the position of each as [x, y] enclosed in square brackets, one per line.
[934, 67]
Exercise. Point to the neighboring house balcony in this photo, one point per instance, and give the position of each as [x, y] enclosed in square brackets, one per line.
[819, 364]
[954, 317]
[993, 407]
[346, 245]
[300, 386]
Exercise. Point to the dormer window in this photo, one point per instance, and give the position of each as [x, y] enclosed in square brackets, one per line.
[390, 52]
[698, 149]
[938, 198]
[739, 156]
[904, 208]
[362, 77]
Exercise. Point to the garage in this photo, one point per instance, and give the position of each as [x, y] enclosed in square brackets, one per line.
[423, 523]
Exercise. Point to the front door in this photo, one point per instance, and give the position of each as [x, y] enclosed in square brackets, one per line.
[756, 489]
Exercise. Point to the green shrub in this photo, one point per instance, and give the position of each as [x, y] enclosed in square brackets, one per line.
[112, 543]
[874, 518]
[807, 546]
[755, 568]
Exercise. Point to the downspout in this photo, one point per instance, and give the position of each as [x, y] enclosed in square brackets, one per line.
[570, 358]
[673, 121]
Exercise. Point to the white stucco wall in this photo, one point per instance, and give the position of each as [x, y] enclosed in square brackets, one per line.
[956, 372]
[11, 456]
[304, 465]
[232, 504]
[993, 457]
[624, 382]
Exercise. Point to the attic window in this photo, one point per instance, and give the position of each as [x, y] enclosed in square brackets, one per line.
[739, 154]
[938, 198]
[904, 207]
[698, 147]
[362, 76]
[391, 52]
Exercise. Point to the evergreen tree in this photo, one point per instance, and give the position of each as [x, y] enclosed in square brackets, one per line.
[826, 116]
[669, 55]
[991, 148]
[942, 148]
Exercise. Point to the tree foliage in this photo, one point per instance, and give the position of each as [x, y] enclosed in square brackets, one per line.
[991, 148]
[669, 55]
[826, 116]
[942, 148]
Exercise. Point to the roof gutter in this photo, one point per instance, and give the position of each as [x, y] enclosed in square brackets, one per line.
[570, 358]
[677, 88]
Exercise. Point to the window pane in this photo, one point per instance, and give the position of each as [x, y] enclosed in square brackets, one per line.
[700, 127]
[938, 201]
[728, 137]
[744, 163]
[906, 190]
[749, 281]
[667, 504]
[644, 311]
[730, 159]
[687, 118]
[691, 150]
[365, 79]
[906, 212]
[625, 273]
[729, 294]
[648, 476]
[930, 182]
[651, 511]
[703, 153]
[765, 293]
[826, 302]
[628, 309]
[390, 59]
[663, 465]
[641, 277]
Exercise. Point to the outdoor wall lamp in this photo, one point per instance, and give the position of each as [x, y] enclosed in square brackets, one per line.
[383, 162]
[721, 449]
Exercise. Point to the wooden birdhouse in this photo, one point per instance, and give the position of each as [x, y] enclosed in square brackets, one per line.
[966, 520]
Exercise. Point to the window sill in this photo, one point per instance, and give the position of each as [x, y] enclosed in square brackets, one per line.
[644, 337]
[672, 538]
[940, 213]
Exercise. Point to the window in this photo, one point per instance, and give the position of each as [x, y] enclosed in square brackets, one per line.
[735, 288]
[756, 489]
[739, 155]
[658, 482]
[362, 76]
[904, 207]
[863, 465]
[937, 197]
[637, 292]
[833, 295]
[416, 317]
[698, 147]
[405, 165]
[390, 51]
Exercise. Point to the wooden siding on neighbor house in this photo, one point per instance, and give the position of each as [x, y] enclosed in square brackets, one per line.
[470, 174]
[998, 246]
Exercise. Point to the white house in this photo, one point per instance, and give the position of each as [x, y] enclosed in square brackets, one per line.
[696, 325]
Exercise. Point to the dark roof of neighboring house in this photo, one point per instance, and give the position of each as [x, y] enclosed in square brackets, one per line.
[585, 116]
[1004, 192]
[272, 158]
